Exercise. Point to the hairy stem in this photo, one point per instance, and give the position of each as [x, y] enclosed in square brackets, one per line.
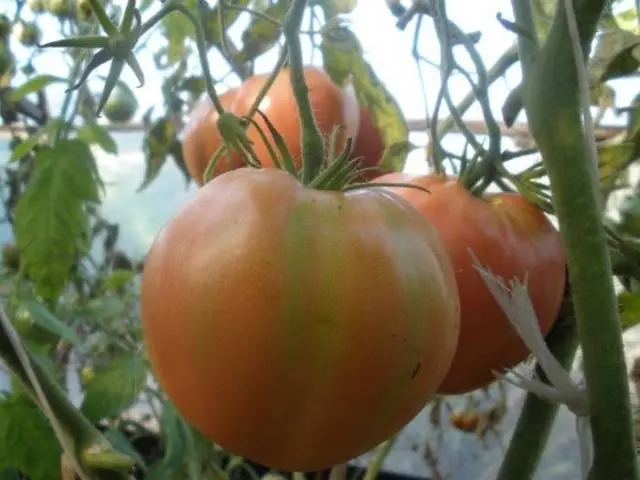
[552, 104]
[312, 143]
[537, 416]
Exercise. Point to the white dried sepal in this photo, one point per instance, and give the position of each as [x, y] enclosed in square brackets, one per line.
[514, 300]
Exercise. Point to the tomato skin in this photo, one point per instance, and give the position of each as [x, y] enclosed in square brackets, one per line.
[511, 237]
[331, 106]
[201, 138]
[368, 144]
[290, 326]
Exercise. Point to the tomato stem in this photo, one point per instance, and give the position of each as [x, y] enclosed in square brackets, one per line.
[312, 143]
[537, 416]
[554, 112]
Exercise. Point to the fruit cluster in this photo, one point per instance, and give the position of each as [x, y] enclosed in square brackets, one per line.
[300, 327]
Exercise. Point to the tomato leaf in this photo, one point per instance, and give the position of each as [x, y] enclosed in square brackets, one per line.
[159, 142]
[175, 444]
[25, 147]
[614, 55]
[33, 85]
[94, 133]
[121, 443]
[51, 323]
[613, 160]
[211, 22]
[344, 62]
[178, 30]
[27, 441]
[629, 304]
[262, 34]
[50, 216]
[115, 388]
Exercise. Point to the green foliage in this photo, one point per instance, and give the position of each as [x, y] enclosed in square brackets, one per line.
[27, 441]
[92, 133]
[342, 55]
[115, 388]
[262, 34]
[629, 304]
[51, 219]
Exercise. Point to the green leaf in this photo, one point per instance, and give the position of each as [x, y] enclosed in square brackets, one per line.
[93, 133]
[33, 85]
[27, 441]
[613, 56]
[25, 147]
[211, 23]
[159, 142]
[629, 304]
[343, 60]
[172, 427]
[50, 216]
[121, 443]
[115, 388]
[261, 34]
[178, 30]
[51, 323]
[613, 159]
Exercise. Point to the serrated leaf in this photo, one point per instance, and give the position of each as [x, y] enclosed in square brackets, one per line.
[51, 323]
[178, 29]
[25, 147]
[115, 388]
[262, 34]
[33, 85]
[93, 133]
[343, 60]
[50, 216]
[27, 441]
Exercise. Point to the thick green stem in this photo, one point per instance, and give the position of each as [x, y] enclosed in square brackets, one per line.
[537, 416]
[551, 100]
[312, 143]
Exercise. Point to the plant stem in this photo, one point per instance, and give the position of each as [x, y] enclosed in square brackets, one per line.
[551, 100]
[312, 143]
[537, 415]
[376, 465]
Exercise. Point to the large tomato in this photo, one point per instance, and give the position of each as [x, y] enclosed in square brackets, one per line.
[331, 106]
[298, 328]
[201, 138]
[369, 145]
[511, 237]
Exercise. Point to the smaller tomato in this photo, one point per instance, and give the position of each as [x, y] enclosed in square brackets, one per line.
[330, 104]
[27, 33]
[201, 138]
[465, 421]
[121, 105]
[60, 8]
[369, 145]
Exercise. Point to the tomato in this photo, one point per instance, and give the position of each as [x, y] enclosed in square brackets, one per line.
[369, 145]
[201, 138]
[28, 34]
[511, 237]
[330, 104]
[60, 8]
[298, 328]
[36, 6]
[121, 105]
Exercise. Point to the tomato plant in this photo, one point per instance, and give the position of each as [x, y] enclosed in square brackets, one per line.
[201, 138]
[296, 327]
[511, 237]
[331, 106]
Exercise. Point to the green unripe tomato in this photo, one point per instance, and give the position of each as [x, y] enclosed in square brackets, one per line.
[59, 8]
[27, 33]
[36, 6]
[121, 105]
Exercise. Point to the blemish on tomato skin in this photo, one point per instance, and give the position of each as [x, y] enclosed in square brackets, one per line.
[416, 370]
